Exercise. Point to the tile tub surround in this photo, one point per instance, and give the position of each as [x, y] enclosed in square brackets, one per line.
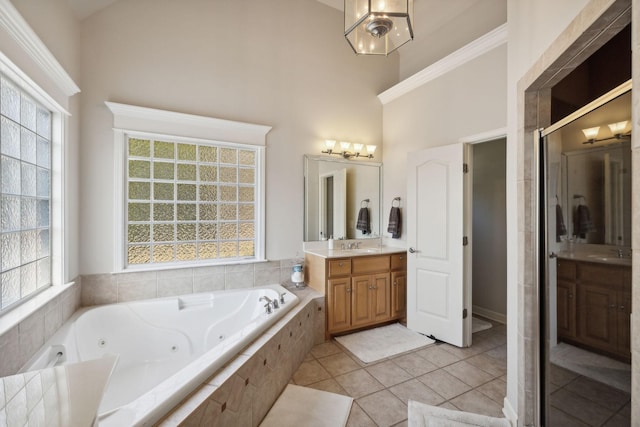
[98, 289]
[23, 340]
[242, 392]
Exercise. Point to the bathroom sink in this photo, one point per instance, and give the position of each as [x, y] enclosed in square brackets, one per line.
[599, 257]
[367, 250]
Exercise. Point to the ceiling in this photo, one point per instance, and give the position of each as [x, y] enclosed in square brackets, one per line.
[84, 8]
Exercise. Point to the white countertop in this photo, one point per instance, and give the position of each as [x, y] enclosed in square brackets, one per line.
[363, 251]
[602, 258]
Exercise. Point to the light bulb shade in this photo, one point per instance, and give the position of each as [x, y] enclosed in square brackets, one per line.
[591, 133]
[357, 147]
[345, 145]
[378, 27]
[371, 149]
[329, 144]
[618, 128]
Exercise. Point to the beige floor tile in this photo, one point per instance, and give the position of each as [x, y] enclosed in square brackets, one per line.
[404, 423]
[618, 421]
[462, 352]
[560, 376]
[557, 418]
[499, 352]
[359, 383]
[468, 373]
[384, 408]
[449, 405]
[325, 349]
[330, 385]
[577, 406]
[338, 364]
[414, 364]
[359, 418]
[388, 373]
[438, 356]
[496, 390]
[476, 402]
[309, 373]
[416, 390]
[488, 364]
[445, 384]
[607, 396]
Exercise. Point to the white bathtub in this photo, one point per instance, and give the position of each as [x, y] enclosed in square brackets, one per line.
[167, 347]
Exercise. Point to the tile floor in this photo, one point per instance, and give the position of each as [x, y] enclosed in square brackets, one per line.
[469, 379]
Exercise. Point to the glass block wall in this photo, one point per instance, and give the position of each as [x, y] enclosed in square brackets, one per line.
[25, 175]
[189, 202]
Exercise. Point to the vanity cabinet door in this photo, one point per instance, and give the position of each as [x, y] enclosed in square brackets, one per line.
[339, 304]
[381, 297]
[566, 309]
[624, 323]
[361, 300]
[398, 294]
[597, 316]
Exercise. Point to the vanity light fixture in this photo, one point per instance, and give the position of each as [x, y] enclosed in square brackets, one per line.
[378, 27]
[345, 146]
[617, 131]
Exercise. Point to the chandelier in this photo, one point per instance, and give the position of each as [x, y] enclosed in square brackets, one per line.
[378, 27]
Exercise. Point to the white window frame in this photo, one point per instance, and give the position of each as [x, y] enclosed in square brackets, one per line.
[134, 120]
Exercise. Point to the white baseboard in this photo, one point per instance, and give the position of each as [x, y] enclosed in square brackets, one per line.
[509, 413]
[490, 314]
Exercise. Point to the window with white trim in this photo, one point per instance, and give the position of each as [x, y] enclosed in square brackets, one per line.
[25, 187]
[190, 201]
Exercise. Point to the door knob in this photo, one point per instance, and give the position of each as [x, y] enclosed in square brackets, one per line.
[412, 250]
[553, 255]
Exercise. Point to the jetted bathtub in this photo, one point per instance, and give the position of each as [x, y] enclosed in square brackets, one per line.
[167, 347]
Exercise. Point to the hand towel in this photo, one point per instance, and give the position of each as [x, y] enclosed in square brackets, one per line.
[561, 229]
[363, 221]
[395, 223]
[582, 221]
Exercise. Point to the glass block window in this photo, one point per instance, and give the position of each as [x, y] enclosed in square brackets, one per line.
[189, 201]
[25, 192]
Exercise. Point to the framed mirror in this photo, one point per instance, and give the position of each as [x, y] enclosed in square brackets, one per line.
[336, 191]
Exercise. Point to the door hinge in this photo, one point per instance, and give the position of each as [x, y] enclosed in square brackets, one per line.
[464, 313]
[465, 241]
[465, 167]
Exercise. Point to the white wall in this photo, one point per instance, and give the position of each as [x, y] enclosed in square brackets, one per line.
[533, 26]
[249, 60]
[466, 101]
[59, 30]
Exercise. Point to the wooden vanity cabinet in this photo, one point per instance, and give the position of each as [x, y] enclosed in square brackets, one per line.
[360, 291]
[594, 307]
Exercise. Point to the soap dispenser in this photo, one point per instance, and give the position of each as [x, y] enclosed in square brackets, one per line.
[330, 243]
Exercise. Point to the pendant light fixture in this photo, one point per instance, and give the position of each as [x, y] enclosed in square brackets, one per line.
[378, 27]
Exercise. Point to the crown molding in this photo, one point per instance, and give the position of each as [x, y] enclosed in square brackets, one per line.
[478, 47]
[16, 26]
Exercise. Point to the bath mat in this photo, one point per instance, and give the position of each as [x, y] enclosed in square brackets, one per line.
[383, 342]
[478, 325]
[303, 406]
[421, 415]
[595, 366]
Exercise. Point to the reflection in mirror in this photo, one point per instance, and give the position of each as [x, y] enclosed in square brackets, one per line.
[593, 188]
[335, 191]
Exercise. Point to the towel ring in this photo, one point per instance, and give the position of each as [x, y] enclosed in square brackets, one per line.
[365, 202]
[396, 199]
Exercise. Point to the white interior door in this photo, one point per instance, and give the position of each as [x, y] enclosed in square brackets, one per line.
[436, 289]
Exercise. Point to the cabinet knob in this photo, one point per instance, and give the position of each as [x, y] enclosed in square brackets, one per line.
[401, 257]
[348, 289]
[395, 283]
[622, 307]
[341, 264]
[570, 296]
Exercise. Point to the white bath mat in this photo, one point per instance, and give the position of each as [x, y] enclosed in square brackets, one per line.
[383, 342]
[478, 325]
[595, 366]
[303, 406]
[421, 415]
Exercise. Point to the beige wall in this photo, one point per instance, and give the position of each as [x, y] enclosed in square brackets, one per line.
[249, 60]
[441, 112]
[443, 27]
[57, 27]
